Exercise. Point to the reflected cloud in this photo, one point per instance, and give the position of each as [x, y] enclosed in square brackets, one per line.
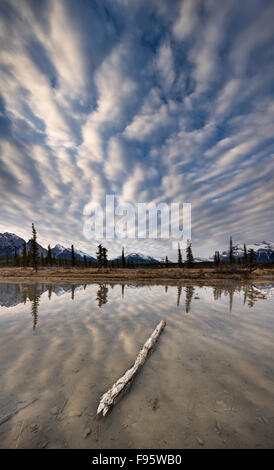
[80, 352]
[14, 294]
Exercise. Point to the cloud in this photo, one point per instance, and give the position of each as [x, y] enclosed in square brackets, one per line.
[153, 101]
[188, 19]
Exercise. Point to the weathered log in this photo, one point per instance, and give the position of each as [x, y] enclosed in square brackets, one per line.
[111, 396]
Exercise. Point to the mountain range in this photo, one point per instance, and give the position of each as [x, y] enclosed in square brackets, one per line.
[264, 251]
[8, 241]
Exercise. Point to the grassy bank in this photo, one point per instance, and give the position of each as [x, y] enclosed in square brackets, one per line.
[60, 274]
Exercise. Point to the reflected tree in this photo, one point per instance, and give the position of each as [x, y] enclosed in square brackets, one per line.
[179, 293]
[49, 291]
[189, 294]
[217, 293]
[102, 295]
[72, 291]
[34, 296]
[231, 293]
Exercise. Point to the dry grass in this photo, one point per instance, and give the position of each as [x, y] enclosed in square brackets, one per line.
[59, 274]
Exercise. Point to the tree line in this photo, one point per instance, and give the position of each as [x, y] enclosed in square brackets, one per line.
[33, 257]
[248, 259]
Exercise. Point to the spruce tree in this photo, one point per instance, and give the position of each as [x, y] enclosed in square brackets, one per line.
[231, 256]
[105, 257]
[251, 256]
[123, 261]
[167, 262]
[245, 257]
[180, 258]
[99, 255]
[217, 258]
[49, 256]
[24, 255]
[189, 256]
[73, 262]
[85, 261]
[7, 258]
[34, 249]
[16, 257]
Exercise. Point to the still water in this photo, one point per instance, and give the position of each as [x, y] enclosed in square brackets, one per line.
[208, 384]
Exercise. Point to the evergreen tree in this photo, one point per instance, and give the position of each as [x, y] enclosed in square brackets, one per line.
[123, 261]
[99, 255]
[217, 258]
[24, 255]
[167, 261]
[231, 256]
[251, 256]
[34, 249]
[245, 257]
[180, 258]
[189, 256]
[85, 261]
[29, 257]
[16, 257]
[105, 257]
[73, 262]
[49, 256]
[7, 258]
[42, 260]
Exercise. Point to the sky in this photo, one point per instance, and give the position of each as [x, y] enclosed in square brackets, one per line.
[150, 100]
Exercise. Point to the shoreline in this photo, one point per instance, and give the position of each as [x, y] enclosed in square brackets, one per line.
[168, 276]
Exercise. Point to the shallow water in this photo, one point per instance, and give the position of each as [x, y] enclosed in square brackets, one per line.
[208, 384]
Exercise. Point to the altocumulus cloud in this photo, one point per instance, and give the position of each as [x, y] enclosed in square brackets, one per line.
[149, 99]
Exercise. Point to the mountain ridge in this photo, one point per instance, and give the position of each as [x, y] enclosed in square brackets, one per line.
[8, 241]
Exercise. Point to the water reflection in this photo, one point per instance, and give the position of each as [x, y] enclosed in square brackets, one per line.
[179, 293]
[14, 294]
[189, 294]
[211, 374]
[34, 296]
[102, 295]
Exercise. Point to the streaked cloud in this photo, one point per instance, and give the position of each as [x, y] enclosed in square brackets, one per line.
[144, 99]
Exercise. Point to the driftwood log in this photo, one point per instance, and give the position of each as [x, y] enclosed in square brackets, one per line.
[111, 396]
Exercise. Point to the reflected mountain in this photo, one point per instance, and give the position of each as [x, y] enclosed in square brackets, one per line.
[14, 294]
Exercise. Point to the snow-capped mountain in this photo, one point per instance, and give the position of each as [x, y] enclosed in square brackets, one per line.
[138, 258]
[60, 252]
[57, 250]
[264, 251]
[10, 241]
